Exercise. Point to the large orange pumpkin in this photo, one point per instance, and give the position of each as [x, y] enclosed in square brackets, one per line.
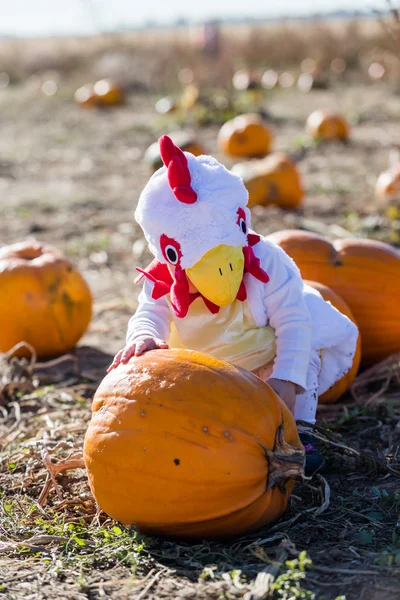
[338, 388]
[327, 126]
[43, 301]
[185, 445]
[245, 136]
[365, 273]
[272, 180]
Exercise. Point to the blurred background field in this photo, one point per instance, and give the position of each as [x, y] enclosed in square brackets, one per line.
[71, 174]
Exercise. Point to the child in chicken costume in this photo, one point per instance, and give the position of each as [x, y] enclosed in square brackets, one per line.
[217, 287]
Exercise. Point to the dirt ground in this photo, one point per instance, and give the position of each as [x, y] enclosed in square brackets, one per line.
[72, 177]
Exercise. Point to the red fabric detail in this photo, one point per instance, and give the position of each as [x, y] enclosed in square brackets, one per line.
[253, 239]
[180, 297]
[159, 274]
[151, 269]
[167, 241]
[185, 194]
[252, 265]
[213, 308]
[242, 293]
[241, 215]
[178, 171]
[168, 150]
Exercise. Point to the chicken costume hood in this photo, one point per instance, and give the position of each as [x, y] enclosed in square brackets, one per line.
[194, 215]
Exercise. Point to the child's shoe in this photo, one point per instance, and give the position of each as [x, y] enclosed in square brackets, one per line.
[314, 461]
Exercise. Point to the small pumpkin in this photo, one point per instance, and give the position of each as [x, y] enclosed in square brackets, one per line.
[108, 93]
[272, 180]
[324, 125]
[387, 188]
[165, 106]
[190, 96]
[185, 140]
[44, 300]
[341, 386]
[185, 445]
[85, 96]
[365, 273]
[245, 136]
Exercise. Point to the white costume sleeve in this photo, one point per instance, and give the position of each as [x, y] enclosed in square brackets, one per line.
[288, 314]
[152, 317]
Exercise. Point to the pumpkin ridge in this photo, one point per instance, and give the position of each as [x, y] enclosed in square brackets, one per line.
[163, 482]
[237, 433]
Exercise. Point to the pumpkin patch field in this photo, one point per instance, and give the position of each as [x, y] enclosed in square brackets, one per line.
[228, 515]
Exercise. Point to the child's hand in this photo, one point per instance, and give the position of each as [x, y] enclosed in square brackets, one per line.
[286, 391]
[136, 348]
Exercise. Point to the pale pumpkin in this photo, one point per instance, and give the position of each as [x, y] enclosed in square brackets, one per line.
[365, 273]
[245, 136]
[190, 96]
[85, 96]
[324, 125]
[44, 300]
[108, 93]
[185, 445]
[387, 188]
[183, 139]
[341, 386]
[165, 106]
[272, 180]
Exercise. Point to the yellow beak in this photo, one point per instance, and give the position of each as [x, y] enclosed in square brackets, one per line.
[218, 275]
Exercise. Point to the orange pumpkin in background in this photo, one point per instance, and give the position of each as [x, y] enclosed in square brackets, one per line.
[185, 445]
[365, 273]
[387, 188]
[85, 96]
[341, 386]
[272, 180]
[245, 136]
[44, 300]
[324, 125]
[108, 93]
[185, 140]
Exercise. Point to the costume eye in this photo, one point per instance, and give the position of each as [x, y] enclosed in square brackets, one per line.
[171, 250]
[241, 220]
[171, 254]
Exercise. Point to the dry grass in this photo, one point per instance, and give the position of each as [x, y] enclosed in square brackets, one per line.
[339, 535]
[150, 59]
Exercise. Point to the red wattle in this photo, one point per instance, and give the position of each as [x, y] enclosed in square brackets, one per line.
[180, 296]
[242, 293]
[253, 239]
[252, 265]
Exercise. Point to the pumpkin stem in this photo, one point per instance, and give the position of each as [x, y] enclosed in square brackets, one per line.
[285, 462]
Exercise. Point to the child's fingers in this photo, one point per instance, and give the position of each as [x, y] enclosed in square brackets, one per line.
[161, 343]
[128, 352]
[116, 361]
[142, 347]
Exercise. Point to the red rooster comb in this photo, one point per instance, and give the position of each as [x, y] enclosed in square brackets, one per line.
[178, 170]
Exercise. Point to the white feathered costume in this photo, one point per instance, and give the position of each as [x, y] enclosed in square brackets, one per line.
[251, 307]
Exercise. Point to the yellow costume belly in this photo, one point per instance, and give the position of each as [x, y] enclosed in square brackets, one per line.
[231, 334]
